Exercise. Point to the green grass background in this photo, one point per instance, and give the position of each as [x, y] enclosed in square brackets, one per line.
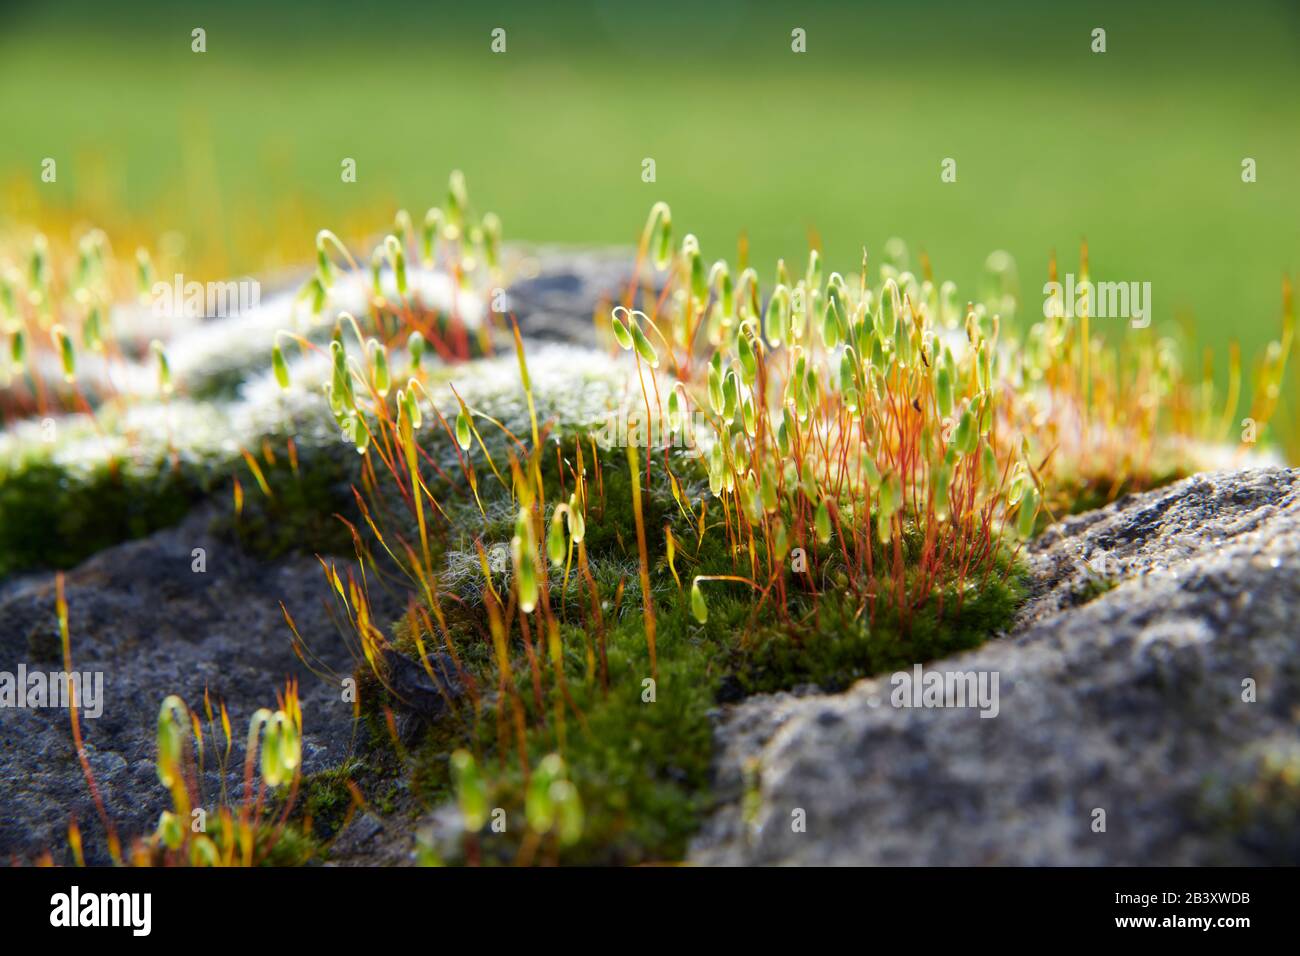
[1138, 149]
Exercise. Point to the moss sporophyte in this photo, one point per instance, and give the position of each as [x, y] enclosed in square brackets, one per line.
[814, 477]
[818, 481]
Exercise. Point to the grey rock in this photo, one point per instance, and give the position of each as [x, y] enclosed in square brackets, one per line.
[1130, 702]
[415, 689]
[561, 288]
[153, 627]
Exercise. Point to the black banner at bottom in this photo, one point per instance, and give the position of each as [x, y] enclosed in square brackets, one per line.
[336, 905]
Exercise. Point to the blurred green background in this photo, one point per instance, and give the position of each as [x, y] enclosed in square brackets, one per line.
[1139, 149]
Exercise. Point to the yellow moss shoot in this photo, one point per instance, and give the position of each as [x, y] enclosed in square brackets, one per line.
[164, 367]
[646, 602]
[67, 353]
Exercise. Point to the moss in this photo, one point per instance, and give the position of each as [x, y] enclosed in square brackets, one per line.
[290, 847]
[326, 798]
[301, 514]
[51, 517]
[220, 384]
[643, 767]
[835, 645]
[120, 475]
[1090, 493]
[273, 845]
[1092, 588]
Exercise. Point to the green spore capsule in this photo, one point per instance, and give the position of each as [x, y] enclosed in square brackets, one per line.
[463, 430]
[555, 538]
[397, 260]
[92, 332]
[943, 390]
[777, 320]
[699, 278]
[659, 231]
[170, 741]
[577, 524]
[674, 411]
[457, 201]
[716, 397]
[143, 273]
[169, 830]
[720, 280]
[18, 348]
[748, 357]
[698, 606]
[379, 361]
[67, 353]
[813, 276]
[644, 347]
[822, 522]
[730, 395]
[767, 487]
[415, 345]
[279, 366]
[522, 548]
[39, 269]
[621, 333]
[471, 791]
[1028, 512]
[568, 812]
[539, 805]
[413, 409]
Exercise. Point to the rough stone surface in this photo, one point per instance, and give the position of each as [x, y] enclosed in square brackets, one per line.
[153, 627]
[557, 301]
[1130, 703]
